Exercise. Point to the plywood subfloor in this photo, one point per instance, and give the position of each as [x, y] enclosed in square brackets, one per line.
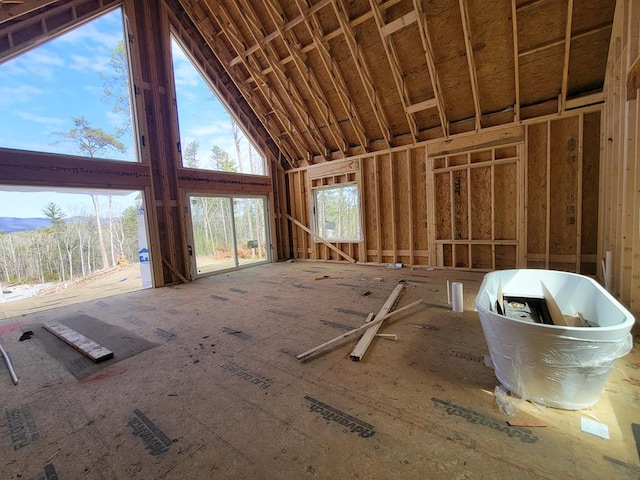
[222, 395]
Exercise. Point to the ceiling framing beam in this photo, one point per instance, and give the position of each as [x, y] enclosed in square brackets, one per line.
[464, 14]
[516, 62]
[431, 64]
[333, 71]
[300, 110]
[567, 54]
[308, 77]
[21, 8]
[399, 23]
[363, 70]
[289, 152]
[221, 15]
[396, 70]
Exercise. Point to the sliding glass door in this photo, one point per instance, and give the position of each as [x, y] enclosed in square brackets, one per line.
[228, 232]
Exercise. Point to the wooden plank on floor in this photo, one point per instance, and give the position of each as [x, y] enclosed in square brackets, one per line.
[84, 345]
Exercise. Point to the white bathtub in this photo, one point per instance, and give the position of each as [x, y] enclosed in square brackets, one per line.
[559, 366]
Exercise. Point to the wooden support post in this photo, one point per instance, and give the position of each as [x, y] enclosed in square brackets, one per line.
[368, 336]
[352, 333]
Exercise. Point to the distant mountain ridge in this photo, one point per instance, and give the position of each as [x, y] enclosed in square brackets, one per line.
[12, 224]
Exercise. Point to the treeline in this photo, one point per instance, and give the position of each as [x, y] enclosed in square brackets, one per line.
[70, 248]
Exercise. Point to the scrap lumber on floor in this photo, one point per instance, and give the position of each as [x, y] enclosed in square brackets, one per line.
[84, 345]
[352, 333]
[368, 336]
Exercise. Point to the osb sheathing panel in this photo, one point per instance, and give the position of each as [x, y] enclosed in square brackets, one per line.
[480, 203]
[357, 93]
[492, 45]
[583, 77]
[590, 184]
[382, 77]
[505, 256]
[482, 256]
[460, 205]
[402, 203]
[539, 109]
[415, 71]
[386, 213]
[506, 201]
[395, 11]
[541, 75]
[591, 14]
[564, 143]
[419, 219]
[442, 197]
[536, 189]
[370, 214]
[445, 29]
[541, 23]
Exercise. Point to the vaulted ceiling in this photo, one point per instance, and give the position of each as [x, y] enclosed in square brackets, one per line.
[330, 78]
[333, 78]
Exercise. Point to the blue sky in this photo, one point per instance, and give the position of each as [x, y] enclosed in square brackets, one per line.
[42, 90]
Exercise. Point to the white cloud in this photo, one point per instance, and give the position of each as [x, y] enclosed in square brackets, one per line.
[98, 63]
[19, 94]
[31, 117]
[37, 64]
[89, 34]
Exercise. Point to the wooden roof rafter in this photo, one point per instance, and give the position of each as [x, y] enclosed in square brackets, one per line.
[308, 77]
[17, 9]
[394, 63]
[330, 65]
[464, 14]
[294, 134]
[362, 69]
[249, 18]
[567, 52]
[431, 65]
[516, 61]
[219, 49]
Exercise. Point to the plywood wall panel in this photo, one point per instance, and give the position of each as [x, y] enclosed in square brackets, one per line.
[402, 205]
[386, 217]
[370, 214]
[460, 205]
[590, 192]
[481, 220]
[536, 211]
[442, 198]
[506, 201]
[419, 218]
[564, 143]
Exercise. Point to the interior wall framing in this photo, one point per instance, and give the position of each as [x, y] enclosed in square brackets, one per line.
[523, 196]
[620, 226]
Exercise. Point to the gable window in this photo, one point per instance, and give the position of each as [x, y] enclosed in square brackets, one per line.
[336, 213]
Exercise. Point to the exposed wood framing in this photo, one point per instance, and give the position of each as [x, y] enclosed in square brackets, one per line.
[320, 239]
[363, 69]
[516, 61]
[464, 14]
[431, 64]
[15, 11]
[308, 77]
[396, 70]
[567, 51]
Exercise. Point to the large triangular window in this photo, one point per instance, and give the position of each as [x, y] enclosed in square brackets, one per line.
[210, 137]
[71, 94]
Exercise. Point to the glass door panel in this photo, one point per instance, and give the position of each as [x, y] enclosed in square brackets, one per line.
[213, 240]
[228, 232]
[251, 237]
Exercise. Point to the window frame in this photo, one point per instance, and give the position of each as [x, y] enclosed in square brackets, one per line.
[316, 218]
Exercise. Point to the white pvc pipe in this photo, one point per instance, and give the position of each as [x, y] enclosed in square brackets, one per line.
[12, 372]
[457, 297]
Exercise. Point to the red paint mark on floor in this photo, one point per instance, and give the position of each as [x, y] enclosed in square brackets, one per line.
[12, 327]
